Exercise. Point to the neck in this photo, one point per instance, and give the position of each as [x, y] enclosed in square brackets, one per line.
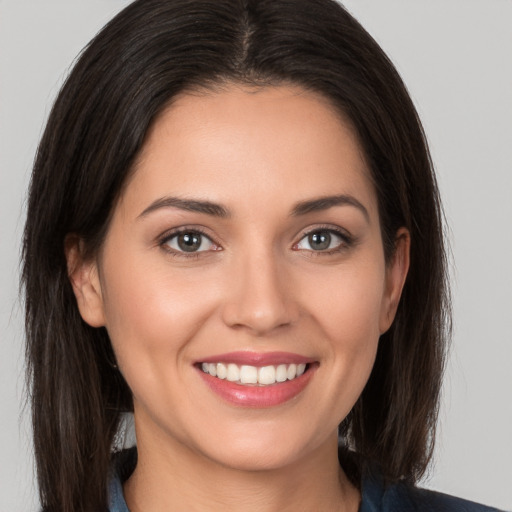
[176, 478]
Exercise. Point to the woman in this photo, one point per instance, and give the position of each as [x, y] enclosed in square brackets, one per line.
[234, 232]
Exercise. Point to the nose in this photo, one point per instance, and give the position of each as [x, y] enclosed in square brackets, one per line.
[260, 297]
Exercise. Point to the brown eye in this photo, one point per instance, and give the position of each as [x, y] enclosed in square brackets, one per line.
[189, 242]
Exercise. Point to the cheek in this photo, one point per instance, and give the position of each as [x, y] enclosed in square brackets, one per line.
[347, 308]
[152, 313]
[348, 303]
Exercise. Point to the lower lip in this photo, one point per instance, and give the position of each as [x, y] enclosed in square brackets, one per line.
[258, 396]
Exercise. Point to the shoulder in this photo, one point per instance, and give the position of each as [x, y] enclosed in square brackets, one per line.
[122, 465]
[401, 497]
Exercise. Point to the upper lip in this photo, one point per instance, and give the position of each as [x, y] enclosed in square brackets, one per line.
[257, 358]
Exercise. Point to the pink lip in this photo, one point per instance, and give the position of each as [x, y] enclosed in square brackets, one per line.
[258, 396]
[257, 358]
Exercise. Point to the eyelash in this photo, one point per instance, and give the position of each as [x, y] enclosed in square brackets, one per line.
[167, 237]
[347, 241]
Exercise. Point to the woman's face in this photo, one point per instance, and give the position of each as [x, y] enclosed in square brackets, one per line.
[245, 246]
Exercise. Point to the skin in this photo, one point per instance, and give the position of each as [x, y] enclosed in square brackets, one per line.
[258, 285]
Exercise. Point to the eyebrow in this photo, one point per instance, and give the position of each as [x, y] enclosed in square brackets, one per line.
[191, 205]
[326, 202]
[217, 210]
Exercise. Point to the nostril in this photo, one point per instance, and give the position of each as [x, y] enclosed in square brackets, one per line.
[259, 298]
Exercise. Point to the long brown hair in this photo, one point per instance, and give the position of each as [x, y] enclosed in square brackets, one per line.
[126, 76]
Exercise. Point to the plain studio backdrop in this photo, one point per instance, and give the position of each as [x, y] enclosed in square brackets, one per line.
[455, 56]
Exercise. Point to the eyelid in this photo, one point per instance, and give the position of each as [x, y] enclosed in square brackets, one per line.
[347, 238]
[344, 233]
[163, 240]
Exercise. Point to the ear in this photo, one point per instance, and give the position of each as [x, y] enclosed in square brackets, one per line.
[84, 277]
[396, 273]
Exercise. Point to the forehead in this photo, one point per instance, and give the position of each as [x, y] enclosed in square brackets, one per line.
[269, 143]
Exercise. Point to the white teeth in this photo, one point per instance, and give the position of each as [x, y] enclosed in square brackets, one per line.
[267, 375]
[233, 373]
[281, 373]
[246, 374]
[222, 371]
[292, 372]
[249, 375]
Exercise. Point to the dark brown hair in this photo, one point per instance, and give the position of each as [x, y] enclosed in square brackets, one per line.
[126, 76]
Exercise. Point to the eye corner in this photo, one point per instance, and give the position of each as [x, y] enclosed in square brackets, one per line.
[333, 240]
[196, 242]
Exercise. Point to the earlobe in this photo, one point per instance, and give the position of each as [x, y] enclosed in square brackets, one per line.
[84, 277]
[396, 274]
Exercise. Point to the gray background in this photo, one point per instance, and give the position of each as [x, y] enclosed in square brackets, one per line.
[456, 58]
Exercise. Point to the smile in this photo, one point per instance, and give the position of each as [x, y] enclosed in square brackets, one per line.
[257, 380]
[253, 375]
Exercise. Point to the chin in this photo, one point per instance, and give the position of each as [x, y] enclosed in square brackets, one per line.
[257, 458]
[258, 450]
